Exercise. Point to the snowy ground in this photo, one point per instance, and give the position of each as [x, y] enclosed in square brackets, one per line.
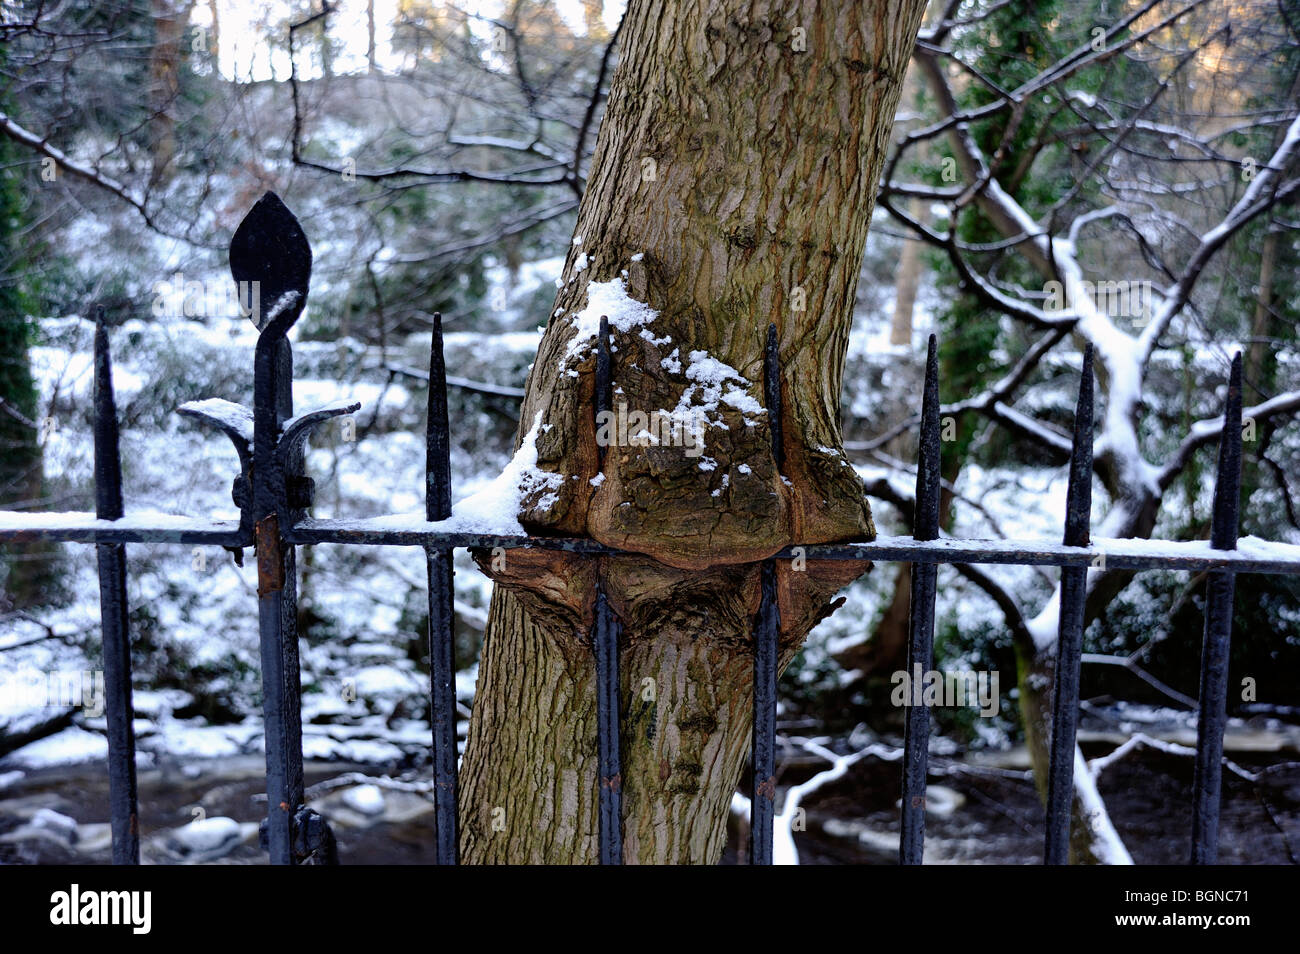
[365, 693]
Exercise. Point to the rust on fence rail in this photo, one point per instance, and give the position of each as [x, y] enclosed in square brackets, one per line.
[274, 494]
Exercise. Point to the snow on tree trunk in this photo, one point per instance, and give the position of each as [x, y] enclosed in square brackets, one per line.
[731, 187]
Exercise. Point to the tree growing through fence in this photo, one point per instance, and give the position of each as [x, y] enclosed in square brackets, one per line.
[731, 187]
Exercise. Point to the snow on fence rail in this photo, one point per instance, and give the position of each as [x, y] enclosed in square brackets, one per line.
[270, 252]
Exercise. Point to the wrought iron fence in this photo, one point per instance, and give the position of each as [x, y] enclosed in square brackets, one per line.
[270, 254]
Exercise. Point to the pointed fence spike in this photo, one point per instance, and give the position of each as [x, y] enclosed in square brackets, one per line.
[602, 395]
[920, 644]
[1216, 643]
[270, 259]
[1227, 484]
[928, 479]
[108, 464]
[1078, 508]
[111, 558]
[437, 431]
[772, 394]
[1070, 625]
[442, 608]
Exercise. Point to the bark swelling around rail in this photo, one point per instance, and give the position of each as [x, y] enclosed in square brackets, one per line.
[274, 495]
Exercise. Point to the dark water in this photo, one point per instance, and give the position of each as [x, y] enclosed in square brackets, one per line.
[850, 821]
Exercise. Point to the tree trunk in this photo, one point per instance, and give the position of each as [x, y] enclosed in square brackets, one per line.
[907, 282]
[214, 37]
[169, 19]
[731, 187]
[371, 56]
[30, 573]
[1263, 317]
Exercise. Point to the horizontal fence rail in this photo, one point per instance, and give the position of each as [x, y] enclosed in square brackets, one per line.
[1118, 553]
[274, 495]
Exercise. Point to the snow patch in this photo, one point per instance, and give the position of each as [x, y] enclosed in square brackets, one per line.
[226, 413]
[611, 300]
[495, 508]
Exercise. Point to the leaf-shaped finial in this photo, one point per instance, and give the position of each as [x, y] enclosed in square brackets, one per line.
[269, 248]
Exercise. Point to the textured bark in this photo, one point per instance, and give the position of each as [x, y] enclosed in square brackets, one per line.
[1035, 677]
[764, 161]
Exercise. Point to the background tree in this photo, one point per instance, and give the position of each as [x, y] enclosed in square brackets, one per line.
[30, 572]
[1088, 142]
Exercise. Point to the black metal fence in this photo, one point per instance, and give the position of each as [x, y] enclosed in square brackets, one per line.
[274, 494]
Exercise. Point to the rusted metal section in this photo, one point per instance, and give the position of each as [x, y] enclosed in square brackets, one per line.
[270, 556]
[1069, 642]
[920, 643]
[1208, 776]
[111, 557]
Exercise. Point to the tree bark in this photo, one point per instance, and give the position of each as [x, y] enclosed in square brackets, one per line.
[731, 187]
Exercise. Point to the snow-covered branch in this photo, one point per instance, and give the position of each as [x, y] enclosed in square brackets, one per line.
[80, 170]
[1266, 189]
[1205, 431]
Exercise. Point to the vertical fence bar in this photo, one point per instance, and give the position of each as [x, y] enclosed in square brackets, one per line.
[608, 707]
[270, 256]
[1215, 647]
[605, 647]
[766, 636]
[763, 814]
[1069, 642]
[277, 600]
[920, 643]
[442, 650]
[111, 557]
